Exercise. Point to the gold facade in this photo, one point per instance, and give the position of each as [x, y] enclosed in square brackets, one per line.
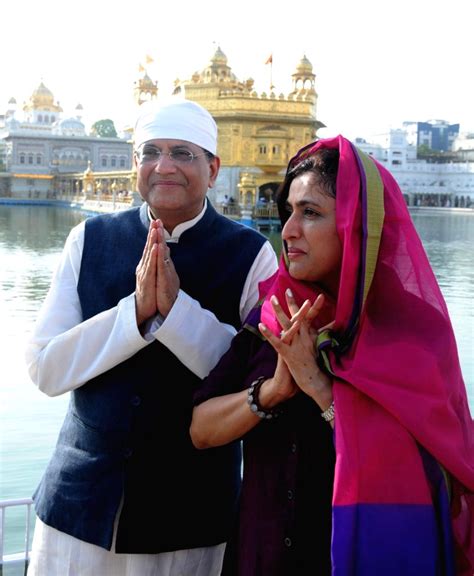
[257, 132]
[144, 89]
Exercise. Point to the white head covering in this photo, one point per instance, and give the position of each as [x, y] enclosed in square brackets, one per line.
[176, 119]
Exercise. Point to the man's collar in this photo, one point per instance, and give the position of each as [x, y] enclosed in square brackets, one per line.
[180, 228]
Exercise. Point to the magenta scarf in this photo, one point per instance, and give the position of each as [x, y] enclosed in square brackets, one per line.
[403, 498]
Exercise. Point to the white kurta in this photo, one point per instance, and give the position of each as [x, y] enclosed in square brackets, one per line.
[98, 344]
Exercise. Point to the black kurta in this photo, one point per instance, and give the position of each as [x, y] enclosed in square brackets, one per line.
[284, 525]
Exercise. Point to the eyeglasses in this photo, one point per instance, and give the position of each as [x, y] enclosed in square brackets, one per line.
[149, 154]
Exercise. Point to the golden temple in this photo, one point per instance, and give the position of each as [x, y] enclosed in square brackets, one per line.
[257, 135]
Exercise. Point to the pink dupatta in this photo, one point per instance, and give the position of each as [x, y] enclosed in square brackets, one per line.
[404, 432]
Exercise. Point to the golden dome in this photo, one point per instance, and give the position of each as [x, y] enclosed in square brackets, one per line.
[303, 79]
[304, 67]
[42, 96]
[219, 58]
[147, 83]
[217, 71]
[42, 99]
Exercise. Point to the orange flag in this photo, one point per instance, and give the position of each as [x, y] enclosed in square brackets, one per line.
[269, 59]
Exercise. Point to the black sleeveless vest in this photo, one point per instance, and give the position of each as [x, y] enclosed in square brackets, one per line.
[126, 433]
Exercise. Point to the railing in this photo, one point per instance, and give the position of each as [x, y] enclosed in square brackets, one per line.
[19, 559]
[266, 212]
[269, 212]
[231, 210]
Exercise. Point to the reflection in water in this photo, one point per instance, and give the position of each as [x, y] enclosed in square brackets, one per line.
[36, 229]
[31, 240]
[449, 242]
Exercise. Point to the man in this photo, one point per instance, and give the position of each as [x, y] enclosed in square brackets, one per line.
[143, 304]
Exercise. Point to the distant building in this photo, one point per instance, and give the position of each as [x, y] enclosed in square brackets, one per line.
[464, 146]
[392, 148]
[257, 133]
[423, 182]
[436, 135]
[36, 149]
[48, 155]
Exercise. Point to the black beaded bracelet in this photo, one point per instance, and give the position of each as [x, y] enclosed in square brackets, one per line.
[252, 401]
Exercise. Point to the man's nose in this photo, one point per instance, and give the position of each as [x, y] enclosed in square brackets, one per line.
[164, 163]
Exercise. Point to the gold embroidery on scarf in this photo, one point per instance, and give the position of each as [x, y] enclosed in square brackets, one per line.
[375, 218]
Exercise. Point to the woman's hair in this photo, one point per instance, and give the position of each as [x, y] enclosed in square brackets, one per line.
[323, 165]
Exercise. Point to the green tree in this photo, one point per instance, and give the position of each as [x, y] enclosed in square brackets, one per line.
[104, 129]
[424, 150]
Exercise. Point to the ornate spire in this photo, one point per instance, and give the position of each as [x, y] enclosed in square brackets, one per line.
[303, 77]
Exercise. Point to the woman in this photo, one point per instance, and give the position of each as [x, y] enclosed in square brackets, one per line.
[353, 328]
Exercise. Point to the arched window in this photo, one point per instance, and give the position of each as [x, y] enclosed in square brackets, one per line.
[262, 149]
[122, 162]
[22, 158]
[46, 119]
[103, 161]
[38, 158]
[113, 161]
[30, 158]
[40, 117]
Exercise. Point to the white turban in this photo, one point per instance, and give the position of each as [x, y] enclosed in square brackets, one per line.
[176, 119]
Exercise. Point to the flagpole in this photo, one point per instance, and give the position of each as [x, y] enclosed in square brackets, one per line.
[270, 61]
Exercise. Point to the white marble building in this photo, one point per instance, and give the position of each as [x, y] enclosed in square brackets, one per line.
[41, 142]
[423, 182]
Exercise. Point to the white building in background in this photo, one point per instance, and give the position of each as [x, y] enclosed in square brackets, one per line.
[41, 142]
[464, 146]
[437, 135]
[425, 182]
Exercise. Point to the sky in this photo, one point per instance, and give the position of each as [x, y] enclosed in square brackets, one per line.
[377, 63]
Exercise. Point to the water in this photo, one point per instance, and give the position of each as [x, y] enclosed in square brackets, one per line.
[449, 243]
[31, 240]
